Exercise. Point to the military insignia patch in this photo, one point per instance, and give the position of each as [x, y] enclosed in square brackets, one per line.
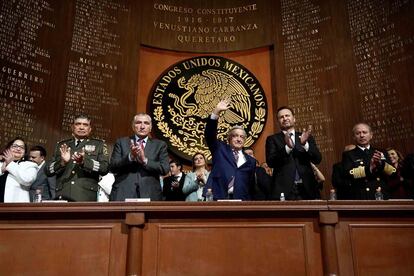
[105, 150]
[186, 94]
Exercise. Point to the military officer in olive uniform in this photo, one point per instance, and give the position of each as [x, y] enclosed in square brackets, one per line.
[78, 162]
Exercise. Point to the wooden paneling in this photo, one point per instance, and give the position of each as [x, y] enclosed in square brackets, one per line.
[382, 248]
[190, 248]
[220, 238]
[62, 249]
[374, 238]
[375, 246]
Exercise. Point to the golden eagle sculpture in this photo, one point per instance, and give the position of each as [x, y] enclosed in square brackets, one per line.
[205, 90]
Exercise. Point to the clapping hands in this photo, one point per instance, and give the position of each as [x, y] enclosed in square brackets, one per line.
[305, 135]
[137, 151]
[66, 155]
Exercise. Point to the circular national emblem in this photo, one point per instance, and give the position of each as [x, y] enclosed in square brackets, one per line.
[186, 94]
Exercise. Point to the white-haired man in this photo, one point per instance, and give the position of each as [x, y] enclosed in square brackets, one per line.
[138, 162]
[232, 175]
[365, 166]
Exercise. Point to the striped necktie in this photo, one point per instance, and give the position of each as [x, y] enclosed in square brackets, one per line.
[236, 155]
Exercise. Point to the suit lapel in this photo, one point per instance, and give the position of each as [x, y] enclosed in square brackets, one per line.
[358, 156]
[71, 143]
[182, 179]
[133, 139]
[366, 156]
[247, 158]
[81, 144]
[149, 146]
[281, 137]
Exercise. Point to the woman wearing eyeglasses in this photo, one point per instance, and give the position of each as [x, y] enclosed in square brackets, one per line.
[16, 175]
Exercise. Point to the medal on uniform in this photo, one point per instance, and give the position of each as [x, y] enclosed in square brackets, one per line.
[89, 148]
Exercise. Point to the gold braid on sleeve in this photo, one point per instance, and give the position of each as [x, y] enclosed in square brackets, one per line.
[358, 172]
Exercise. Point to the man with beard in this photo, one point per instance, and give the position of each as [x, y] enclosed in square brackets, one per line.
[290, 154]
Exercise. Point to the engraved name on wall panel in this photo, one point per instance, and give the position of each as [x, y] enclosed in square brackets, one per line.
[346, 62]
[62, 58]
[207, 26]
[26, 67]
[310, 71]
[383, 50]
[98, 81]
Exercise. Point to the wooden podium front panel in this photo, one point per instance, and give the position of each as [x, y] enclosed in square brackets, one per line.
[219, 238]
[241, 247]
[53, 248]
[376, 247]
[375, 237]
[383, 248]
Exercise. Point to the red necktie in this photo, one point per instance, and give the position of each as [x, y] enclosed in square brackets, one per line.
[141, 143]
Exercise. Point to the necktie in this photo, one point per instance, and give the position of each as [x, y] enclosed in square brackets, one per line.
[236, 155]
[236, 159]
[297, 178]
[174, 179]
[141, 143]
[77, 143]
[292, 138]
[231, 184]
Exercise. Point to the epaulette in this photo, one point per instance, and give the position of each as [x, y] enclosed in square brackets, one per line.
[358, 172]
[97, 139]
[389, 169]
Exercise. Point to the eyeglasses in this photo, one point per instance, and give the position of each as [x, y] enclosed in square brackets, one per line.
[16, 146]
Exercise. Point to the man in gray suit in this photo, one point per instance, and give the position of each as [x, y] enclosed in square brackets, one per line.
[46, 184]
[138, 162]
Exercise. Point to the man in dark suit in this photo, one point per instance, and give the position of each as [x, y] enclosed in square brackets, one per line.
[365, 166]
[78, 162]
[232, 175]
[290, 154]
[46, 184]
[173, 184]
[138, 162]
[262, 180]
